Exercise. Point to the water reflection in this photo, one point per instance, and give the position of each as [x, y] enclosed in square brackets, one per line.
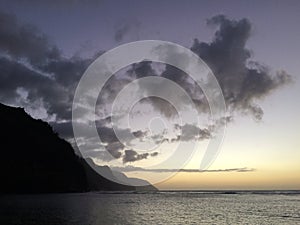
[155, 208]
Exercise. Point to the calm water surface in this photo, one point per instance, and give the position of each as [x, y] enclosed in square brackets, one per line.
[147, 208]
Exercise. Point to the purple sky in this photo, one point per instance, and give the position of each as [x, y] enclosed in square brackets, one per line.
[84, 28]
[93, 24]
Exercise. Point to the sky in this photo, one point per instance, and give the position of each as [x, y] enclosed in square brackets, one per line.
[251, 47]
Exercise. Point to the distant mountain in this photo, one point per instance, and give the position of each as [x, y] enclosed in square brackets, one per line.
[34, 159]
[141, 185]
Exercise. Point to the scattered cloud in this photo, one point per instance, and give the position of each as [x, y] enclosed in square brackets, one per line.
[137, 169]
[35, 74]
[28, 60]
[154, 154]
[192, 132]
[115, 148]
[132, 156]
[243, 81]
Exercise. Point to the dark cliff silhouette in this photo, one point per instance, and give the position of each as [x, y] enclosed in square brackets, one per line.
[119, 177]
[34, 159]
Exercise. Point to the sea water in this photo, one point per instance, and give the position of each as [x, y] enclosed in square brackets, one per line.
[152, 208]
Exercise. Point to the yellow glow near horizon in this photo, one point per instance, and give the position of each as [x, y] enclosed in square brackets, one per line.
[271, 180]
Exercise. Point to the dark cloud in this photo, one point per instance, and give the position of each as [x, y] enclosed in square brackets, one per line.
[189, 85]
[153, 154]
[243, 82]
[104, 121]
[115, 149]
[29, 61]
[109, 139]
[25, 41]
[132, 156]
[187, 132]
[192, 132]
[108, 134]
[139, 133]
[118, 149]
[143, 69]
[112, 88]
[35, 74]
[36, 87]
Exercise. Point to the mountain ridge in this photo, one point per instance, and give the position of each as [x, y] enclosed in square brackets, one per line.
[34, 159]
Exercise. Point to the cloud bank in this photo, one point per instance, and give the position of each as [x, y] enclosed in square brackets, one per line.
[36, 75]
[139, 169]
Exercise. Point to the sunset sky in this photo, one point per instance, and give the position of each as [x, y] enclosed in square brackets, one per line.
[261, 147]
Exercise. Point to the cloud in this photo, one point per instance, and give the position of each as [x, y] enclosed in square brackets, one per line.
[25, 41]
[154, 154]
[110, 141]
[28, 60]
[192, 132]
[139, 134]
[136, 169]
[108, 134]
[243, 82]
[35, 74]
[126, 28]
[132, 156]
[143, 69]
[36, 87]
[115, 149]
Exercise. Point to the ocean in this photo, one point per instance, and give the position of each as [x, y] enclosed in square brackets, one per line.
[166, 207]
